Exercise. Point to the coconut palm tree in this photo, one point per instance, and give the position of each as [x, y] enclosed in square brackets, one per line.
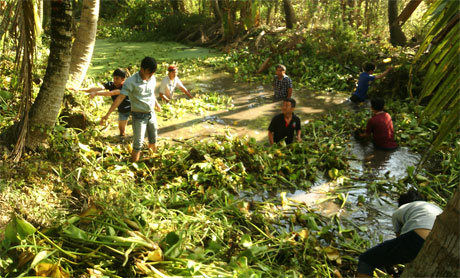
[82, 49]
[38, 119]
[439, 55]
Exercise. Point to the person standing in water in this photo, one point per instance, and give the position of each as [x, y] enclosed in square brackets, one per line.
[169, 83]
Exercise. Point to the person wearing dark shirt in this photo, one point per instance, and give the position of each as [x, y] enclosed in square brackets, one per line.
[380, 126]
[283, 126]
[412, 222]
[360, 95]
[112, 89]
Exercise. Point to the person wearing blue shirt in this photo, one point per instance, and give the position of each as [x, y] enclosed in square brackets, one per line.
[360, 95]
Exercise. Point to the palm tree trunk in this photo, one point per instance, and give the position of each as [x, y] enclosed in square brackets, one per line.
[440, 254]
[45, 110]
[82, 49]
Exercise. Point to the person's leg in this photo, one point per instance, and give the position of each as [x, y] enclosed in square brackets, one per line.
[122, 122]
[122, 127]
[400, 250]
[152, 129]
[139, 128]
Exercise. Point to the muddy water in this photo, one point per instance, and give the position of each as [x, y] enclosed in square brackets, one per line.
[371, 167]
[253, 109]
[250, 116]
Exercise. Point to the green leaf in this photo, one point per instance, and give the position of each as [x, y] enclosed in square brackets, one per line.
[75, 232]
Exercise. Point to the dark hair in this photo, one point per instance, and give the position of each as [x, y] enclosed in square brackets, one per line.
[410, 196]
[291, 100]
[281, 66]
[119, 72]
[377, 104]
[150, 64]
[368, 66]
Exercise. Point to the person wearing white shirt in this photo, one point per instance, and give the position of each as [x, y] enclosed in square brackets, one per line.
[169, 84]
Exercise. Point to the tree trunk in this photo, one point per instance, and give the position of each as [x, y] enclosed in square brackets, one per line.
[397, 36]
[290, 14]
[40, 11]
[82, 49]
[45, 109]
[177, 6]
[216, 10]
[46, 14]
[440, 255]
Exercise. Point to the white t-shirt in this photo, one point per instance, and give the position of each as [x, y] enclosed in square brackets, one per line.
[169, 84]
[415, 215]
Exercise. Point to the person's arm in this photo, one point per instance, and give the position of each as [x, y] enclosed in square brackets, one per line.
[384, 73]
[270, 137]
[183, 89]
[115, 92]
[87, 90]
[289, 92]
[164, 97]
[299, 139]
[114, 106]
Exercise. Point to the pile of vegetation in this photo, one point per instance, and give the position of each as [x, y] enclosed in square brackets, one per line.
[181, 211]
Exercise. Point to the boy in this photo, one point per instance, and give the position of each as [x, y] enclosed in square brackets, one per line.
[140, 88]
[381, 127]
[412, 222]
[282, 84]
[114, 87]
[169, 83]
[360, 95]
[283, 125]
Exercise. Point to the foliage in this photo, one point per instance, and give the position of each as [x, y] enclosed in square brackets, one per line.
[188, 210]
[441, 81]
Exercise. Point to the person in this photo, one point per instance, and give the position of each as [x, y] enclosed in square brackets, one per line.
[169, 83]
[284, 125]
[282, 84]
[381, 127]
[112, 89]
[360, 95]
[412, 222]
[140, 88]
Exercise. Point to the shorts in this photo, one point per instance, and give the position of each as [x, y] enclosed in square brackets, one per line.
[144, 123]
[123, 116]
[400, 250]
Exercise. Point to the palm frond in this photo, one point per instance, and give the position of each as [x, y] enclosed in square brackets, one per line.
[439, 55]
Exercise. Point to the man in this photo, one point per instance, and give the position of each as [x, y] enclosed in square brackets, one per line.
[169, 83]
[140, 88]
[412, 223]
[284, 125]
[282, 84]
[360, 95]
[112, 89]
[380, 126]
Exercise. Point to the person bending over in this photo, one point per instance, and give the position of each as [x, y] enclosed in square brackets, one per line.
[360, 95]
[412, 222]
[169, 83]
[112, 89]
